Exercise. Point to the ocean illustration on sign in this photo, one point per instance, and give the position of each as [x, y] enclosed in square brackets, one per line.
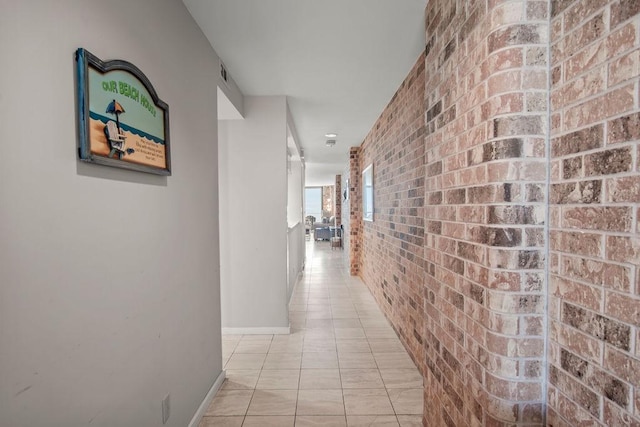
[124, 122]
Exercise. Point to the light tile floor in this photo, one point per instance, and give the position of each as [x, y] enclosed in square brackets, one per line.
[342, 365]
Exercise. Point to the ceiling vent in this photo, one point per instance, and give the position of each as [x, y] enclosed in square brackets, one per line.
[224, 76]
[331, 142]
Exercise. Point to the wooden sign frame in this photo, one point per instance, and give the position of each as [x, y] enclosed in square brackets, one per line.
[121, 120]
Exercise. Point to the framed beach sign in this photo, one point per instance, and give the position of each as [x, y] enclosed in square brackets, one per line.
[121, 120]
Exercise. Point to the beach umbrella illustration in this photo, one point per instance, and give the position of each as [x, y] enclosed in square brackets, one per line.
[116, 108]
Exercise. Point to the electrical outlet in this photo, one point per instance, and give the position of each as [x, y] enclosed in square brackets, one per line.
[166, 408]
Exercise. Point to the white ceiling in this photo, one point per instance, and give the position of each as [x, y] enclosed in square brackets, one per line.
[339, 62]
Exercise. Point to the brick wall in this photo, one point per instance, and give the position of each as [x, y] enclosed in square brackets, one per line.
[594, 310]
[355, 212]
[338, 200]
[393, 244]
[455, 256]
[470, 160]
[328, 204]
[486, 92]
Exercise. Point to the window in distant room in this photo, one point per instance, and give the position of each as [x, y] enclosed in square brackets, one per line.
[313, 202]
[367, 193]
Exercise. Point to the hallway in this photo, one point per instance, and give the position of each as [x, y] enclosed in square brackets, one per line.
[342, 364]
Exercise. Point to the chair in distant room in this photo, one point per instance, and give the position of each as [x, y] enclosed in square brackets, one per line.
[309, 220]
[336, 238]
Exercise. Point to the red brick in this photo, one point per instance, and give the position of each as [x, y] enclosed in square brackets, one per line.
[537, 10]
[557, 31]
[514, 347]
[506, 13]
[616, 416]
[577, 141]
[535, 79]
[612, 276]
[514, 303]
[622, 39]
[557, 7]
[622, 10]
[536, 102]
[504, 280]
[515, 34]
[622, 365]
[503, 171]
[502, 104]
[617, 160]
[508, 59]
[623, 129]
[556, 122]
[588, 347]
[610, 104]
[581, 10]
[582, 86]
[584, 397]
[623, 307]
[472, 214]
[577, 243]
[624, 68]
[598, 218]
[536, 56]
[505, 82]
[623, 249]
[587, 59]
[581, 37]
[582, 192]
[569, 410]
[584, 295]
[604, 328]
[522, 391]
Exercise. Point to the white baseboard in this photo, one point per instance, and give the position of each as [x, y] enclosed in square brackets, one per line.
[197, 417]
[284, 330]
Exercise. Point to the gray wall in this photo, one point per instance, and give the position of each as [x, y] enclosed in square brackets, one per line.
[296, 245]
[346, 217]
[253, 216]
[109, 279]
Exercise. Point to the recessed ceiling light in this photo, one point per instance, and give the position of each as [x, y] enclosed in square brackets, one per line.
[331, 135]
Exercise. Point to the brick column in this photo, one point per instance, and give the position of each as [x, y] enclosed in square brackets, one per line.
[594, 310]
[486, 92]
[338, 200]
[355, 216]
[328, 202]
